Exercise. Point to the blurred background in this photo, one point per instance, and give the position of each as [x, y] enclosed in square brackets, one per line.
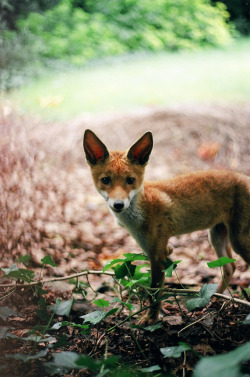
[62, 58]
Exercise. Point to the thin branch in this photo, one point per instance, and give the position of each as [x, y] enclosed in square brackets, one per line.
[8, 293]
[61, 278]
[203, 317]
[193, 323]
[232, 299]
[196, 291]
[174, 291]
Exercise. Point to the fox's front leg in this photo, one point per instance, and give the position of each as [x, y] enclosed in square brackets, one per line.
[157, 282]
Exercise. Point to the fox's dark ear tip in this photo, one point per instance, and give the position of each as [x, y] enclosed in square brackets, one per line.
[88, 131]
[88, 134]
[150, 134]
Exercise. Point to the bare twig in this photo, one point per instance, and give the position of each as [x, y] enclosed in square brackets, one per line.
[193, 323]
[61, 278]
[174, 291]
[200, 319]
[230, 299]
[8, 293]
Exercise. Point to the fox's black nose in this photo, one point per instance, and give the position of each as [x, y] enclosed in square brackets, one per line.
[118, 205]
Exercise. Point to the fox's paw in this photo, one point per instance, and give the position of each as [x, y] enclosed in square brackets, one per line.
[148, 320]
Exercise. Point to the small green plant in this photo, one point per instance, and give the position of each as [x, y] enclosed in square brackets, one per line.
[23, 274]
[132, 281]
[220, 262]
[203, 299]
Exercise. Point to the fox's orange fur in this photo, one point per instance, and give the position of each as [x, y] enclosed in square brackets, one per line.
[152, 212]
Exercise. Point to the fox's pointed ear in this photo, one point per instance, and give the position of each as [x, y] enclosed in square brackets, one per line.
[139, 152]
[94, 148]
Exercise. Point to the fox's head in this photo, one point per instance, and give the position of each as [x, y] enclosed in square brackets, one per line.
[117, 175]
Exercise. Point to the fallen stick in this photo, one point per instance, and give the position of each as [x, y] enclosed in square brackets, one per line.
[175, 291]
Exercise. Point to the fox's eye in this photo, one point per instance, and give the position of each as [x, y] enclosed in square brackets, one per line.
[106, 180]
[130, 180]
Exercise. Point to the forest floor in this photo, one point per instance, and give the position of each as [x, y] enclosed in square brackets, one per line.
[50, 207]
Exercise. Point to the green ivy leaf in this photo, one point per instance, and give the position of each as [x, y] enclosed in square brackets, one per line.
[62, 341]
[62, 307]
[47, 260]
[129, 257]
[112, 263]
[92, 364]
[101, 303]
[133, 257]
[71, 360]
[19, 273]
[127, 304]
[12, 268]
[152, 328]
[6, 312]
[40, 291]
[26, 358]
[87, 362]
[169, 267]
[206, 292]
[151, 369]
[139, 274]
[58, 325]
[66, 359]
[226, 365]
[110, 361]
[24, 259]
[175, 351]
[126, 269]
[220, 262]
[38, 339]
[5, 334]
[97, 316]
[42, 312]
[131, 282]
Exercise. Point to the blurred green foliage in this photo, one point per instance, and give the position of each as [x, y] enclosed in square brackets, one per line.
[35, 32]
[18, 59]
[12, 10]
[114, 27]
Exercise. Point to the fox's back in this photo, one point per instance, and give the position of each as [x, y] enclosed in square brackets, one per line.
[183, 199]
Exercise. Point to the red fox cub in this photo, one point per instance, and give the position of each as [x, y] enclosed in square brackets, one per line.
[152, 212]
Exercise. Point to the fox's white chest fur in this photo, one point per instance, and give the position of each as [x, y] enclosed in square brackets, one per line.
[133, 219]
